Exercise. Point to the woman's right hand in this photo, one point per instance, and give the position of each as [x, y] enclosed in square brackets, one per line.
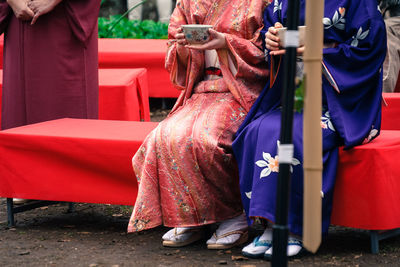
[183, 52]
[21, 9]
[272, 40]
[180, 37]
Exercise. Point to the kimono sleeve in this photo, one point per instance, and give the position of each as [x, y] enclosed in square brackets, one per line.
[5, 13]
[355, 66]
[356, 62]
[182, 76]
[82, 16]
[243, 63]
[270, 17]
[248, 56]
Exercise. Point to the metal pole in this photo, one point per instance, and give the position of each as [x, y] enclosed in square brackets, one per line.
[280, 228]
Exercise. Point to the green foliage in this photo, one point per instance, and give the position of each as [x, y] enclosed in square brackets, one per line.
[134, 29]
[299, 96]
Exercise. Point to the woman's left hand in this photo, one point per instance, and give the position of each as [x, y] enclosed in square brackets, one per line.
[217, 41]
[41, 7]
[300, 51]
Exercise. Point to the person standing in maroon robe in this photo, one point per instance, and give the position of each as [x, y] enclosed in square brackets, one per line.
[50, 60]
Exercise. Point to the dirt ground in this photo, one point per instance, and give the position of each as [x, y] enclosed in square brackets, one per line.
[95, 235]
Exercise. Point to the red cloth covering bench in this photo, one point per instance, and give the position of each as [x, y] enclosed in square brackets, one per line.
[79, 160]
[391, 111]
[368, 185]
[73, 160]
[123, 94]
[140, 53]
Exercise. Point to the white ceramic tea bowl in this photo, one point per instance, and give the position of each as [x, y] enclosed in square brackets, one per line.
[196, 33]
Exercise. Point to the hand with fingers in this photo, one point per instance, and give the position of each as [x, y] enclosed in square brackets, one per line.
[21, 9]
[41, 7]
[272, 41]
[182, 51]
[217, 41]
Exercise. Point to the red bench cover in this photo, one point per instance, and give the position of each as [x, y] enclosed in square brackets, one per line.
[123, 94]
[368, 185]
[90, 161]
[391, 111]
[72, 160]
[139, 53]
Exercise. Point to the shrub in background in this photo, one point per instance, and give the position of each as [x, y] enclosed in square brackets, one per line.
[120, 27]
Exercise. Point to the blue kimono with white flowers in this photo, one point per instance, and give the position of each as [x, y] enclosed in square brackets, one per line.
[352, 85]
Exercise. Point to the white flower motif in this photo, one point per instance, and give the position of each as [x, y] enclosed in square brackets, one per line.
[326, 122]
[248, 195]
[372, 134]
[277, 6]
[359, 36]
[271, 164]
[338, 20]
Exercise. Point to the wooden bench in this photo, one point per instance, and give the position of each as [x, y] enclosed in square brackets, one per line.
[89, 161]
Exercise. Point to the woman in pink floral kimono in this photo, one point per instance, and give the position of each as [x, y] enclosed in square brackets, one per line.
[187, 175]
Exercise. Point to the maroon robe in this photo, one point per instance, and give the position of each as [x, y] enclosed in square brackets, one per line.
[51, 67]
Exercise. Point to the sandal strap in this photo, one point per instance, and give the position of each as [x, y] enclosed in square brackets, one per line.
[295, 242]
[239, 232]
[194, 230]
[262, 243]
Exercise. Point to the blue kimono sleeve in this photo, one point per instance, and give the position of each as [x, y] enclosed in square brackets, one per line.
[355, 66]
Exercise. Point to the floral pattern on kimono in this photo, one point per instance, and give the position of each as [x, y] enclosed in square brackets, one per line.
[185, 168]
[354, 35]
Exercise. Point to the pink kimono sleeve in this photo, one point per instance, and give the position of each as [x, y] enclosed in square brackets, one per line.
[82, 16]
[175, 68]
[5, 13]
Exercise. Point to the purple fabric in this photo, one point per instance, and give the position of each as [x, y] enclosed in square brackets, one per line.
[350, 117]
[5, 13]
[51, 67]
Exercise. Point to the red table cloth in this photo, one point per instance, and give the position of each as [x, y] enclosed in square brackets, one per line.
[139, 53]
[123, 94]
[391, 111]
[72, 160]
[368, 184]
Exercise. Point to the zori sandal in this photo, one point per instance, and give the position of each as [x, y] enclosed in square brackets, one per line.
[216, 242]
[182, 236]
[257, 248]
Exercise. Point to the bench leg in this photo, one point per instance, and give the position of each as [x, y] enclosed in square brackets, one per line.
[163, 103]
[71, 207]
[374, 242]
[10, 212]
[376, 236]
